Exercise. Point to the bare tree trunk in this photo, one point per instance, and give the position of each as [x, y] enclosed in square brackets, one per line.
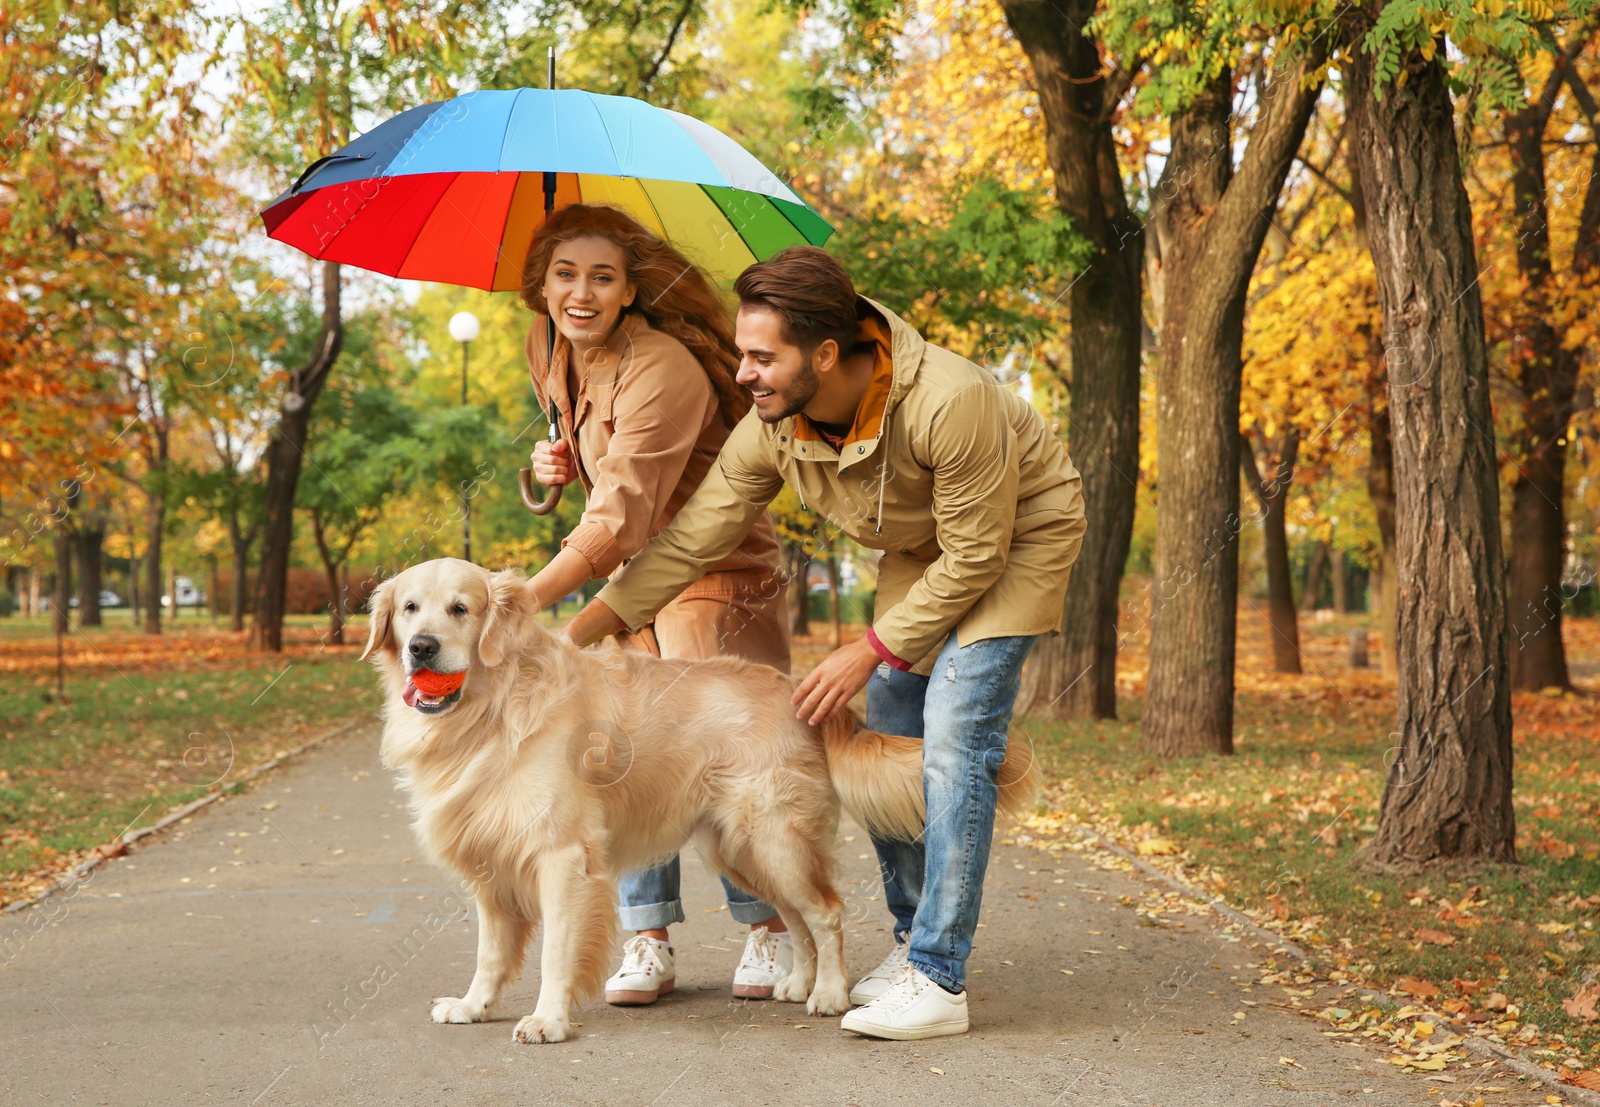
[241, 541]
[833, 593]
[172, 589]
[284, 457]
[214, 589]
[1341, 581]
[1210, 226]
[1448, 792]
[1273, 494]
[154, 524]
[1311, 598]
[133, 589]
[799, 597]
[90, 542]
[1548, 375]
[1380, 489]
[330, 567]
[1073, 675]
[61, 592]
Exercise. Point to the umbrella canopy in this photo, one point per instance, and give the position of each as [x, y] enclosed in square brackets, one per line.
[454, 191]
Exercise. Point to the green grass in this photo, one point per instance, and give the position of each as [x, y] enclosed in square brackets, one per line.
[1276, 827]
[149, 724]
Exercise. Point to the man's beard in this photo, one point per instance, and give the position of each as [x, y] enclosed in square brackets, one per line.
[796, 396]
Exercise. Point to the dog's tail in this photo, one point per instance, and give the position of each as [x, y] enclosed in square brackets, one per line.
[879, 777]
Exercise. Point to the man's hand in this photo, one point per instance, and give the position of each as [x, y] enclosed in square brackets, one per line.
[592, 623]
[553, 464]
[842, 674]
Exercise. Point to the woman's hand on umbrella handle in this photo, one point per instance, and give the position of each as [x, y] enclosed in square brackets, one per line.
[553, 464]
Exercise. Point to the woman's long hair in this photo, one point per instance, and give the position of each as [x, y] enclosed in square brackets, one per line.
[673, 295]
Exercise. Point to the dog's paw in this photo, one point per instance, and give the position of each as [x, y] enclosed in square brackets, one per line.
[538, 1030]
[791, 989]
[827, 1000]
[457, 1010]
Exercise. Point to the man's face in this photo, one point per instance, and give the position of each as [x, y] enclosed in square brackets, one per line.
[780, 377]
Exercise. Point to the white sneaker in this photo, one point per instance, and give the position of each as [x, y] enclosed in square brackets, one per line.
[876, 982]
[647, 972]
[913, 1008]
[768, 958]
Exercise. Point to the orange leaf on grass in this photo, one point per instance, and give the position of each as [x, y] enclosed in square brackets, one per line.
[1435, 937]
[1582, 1005]
[1413, 986]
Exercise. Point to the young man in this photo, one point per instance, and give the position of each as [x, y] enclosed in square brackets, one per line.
[912, 450]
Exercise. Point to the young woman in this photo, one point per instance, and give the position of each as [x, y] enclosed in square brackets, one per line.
[635, 348]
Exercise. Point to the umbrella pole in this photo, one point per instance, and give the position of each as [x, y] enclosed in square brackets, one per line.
[525, 476]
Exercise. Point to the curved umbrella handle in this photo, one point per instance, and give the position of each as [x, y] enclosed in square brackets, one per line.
[532, 502]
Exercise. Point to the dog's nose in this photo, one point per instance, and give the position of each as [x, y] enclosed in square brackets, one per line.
[424, 648]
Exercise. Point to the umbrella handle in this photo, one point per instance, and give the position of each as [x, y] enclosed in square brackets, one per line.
[532, 502]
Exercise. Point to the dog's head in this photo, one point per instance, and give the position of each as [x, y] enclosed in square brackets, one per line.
[440, 620]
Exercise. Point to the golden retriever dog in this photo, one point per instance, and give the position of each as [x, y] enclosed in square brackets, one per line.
[551, 770]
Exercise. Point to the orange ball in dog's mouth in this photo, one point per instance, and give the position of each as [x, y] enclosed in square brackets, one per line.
[428, 691]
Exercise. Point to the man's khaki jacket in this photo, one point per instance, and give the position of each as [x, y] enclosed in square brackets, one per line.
[973, 501]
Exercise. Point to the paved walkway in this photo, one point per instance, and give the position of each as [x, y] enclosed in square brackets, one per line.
[282, 947]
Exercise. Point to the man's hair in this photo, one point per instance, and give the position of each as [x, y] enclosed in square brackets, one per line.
[809, 292]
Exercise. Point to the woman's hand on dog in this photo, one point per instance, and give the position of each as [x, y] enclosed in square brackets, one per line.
[842, 674]
[553, 464]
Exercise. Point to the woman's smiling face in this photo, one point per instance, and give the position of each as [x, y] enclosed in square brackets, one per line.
[587, 288]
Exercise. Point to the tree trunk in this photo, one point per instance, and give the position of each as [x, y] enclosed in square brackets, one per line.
[1210, 225]
[90, 542]
[172, 589]
[1448, 792]
[1311, 598]
[214, 590]
[1380, 489]
[154, 524]
[1548, 375]
[133, 589]
[1283, 625]
[61, 592]
[330, 568]
[799, 597]
[1073, 675]
[34, 587]
[1340, 571]
[284, 456]
[241, 541]
[833, 594]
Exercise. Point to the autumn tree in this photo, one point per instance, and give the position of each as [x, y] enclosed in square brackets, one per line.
[307, 70]
[1209, 218]
[1545, 328]
[1080, 94]
[1448, 792]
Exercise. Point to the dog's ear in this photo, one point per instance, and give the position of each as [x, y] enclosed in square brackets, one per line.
[510, 614]
[381, 633]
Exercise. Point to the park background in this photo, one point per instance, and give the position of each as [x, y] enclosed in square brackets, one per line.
[169, 379]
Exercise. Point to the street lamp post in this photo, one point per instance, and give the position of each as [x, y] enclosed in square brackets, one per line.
[464, 328]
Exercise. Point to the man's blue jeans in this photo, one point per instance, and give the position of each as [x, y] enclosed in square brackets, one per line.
[649, 900]
[961, 711]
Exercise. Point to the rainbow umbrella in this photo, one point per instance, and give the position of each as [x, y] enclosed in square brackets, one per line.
[454, 191]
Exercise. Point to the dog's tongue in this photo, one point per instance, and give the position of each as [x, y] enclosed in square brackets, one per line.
[410, 693]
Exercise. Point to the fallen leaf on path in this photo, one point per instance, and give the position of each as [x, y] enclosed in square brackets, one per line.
[1290, 1061]
[937, 1072]
[1588, 1078]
